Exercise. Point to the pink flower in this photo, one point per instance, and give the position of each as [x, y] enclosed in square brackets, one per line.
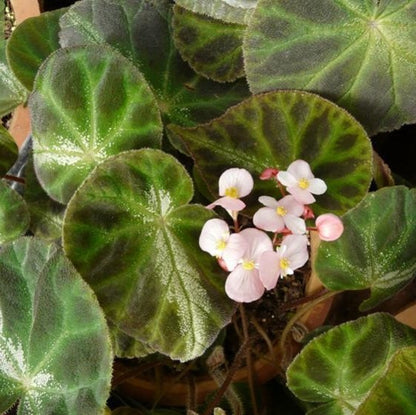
[244, 284]
[269, 173]
[301, 183]
[233, 184]
[292, 254]
[280, 214]
[215, 238]
[329, 226]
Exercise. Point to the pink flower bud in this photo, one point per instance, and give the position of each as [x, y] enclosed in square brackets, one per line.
[308, 213]
[269, 173]
[329, 227]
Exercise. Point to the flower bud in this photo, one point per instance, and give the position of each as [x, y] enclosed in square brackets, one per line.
[269, 173]
[329, 227]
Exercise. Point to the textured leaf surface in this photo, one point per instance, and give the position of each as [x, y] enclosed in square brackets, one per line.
[232, 11]
[211, 47]
[12, 92]
[31, 43]
[274, 129]
[377, 249]
[395, 391]
[55, 362]
[357, 53]
[88, 103]
[338, 369]
[131, 234]
[184, 97]
[8, 151]
[14, 214]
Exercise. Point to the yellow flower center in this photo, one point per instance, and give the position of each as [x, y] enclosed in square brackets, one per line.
[281, 211]
[284, 264]
[303, 183]
[248, 265]
[232, 192]
[221, 244]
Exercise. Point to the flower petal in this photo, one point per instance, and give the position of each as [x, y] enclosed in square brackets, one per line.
[234, 251]
[295, 224]
[240, 179]
[292, 206]
[228, 203]
[317, 186]
[268, 201]
[300, 169]
[213, 231]
[268, 220]
[258, 242]
[286, 178]
[301, 195]
[244, 285]
[269, 269]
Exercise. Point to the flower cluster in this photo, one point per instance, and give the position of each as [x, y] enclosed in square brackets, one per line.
[254, 259]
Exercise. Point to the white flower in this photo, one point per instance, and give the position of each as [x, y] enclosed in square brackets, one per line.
[301, 183]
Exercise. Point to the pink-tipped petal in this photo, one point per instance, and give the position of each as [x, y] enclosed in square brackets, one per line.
[234, 251]
[244, 285]
[228, 203]
[286, 179]
[317, 186]
[292, 206]
[213, 231]
[269, 269]
[268, 201]
[267, 219]
[330, 227]
[300, 169]
[258, 241]
[295, 224]
[302, 196]
[239, 179]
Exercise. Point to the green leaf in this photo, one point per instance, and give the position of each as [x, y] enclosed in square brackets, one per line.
[134, 238]
[377, 249]
[14, 214]
[46, 215]
[232, 11]
[357, 53]
[274, 129]
[395, 390]
[8, 151]
[55, 362]
[12, 92]
[145, 37]
[31, 43]
[211, 47]
[88, 103]
[339, 368]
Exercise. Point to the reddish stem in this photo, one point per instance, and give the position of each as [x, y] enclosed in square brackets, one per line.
[14, 179]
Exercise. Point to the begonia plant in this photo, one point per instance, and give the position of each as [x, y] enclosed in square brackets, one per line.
[193, 166]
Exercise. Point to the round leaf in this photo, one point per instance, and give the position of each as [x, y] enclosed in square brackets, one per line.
[8, 151]
[232, 11]
[88, 103]
[145, 37]
[31, 43]
[337, 369]
[130, 233]
[357, 53]
[395, 391]
[274, 129]
[211, 47]
[14, 214]
[377, 249]
[55, 354]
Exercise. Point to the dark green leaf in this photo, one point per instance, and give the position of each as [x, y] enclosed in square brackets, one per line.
[55, 362]
[88, 103]
[131, 234]
[377, 249]
[31, 43]
[145, 37]
[211, 47]
[8, 151]
[357, 53]
[274, 129]
[338, 369]
[14, 214]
